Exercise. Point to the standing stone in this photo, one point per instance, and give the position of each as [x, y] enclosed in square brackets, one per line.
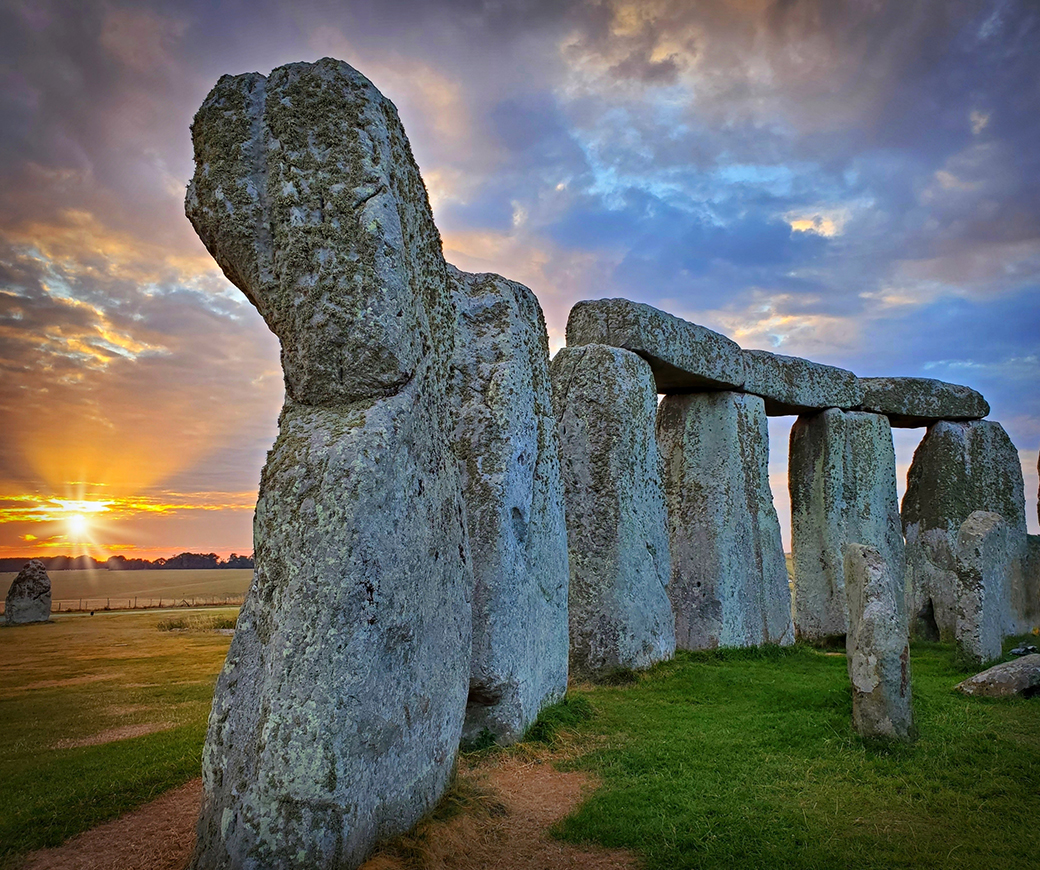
[338, 712]
[506, 440]
[984, 564]
[958, 468]
[620, 617]
[842, 476]
[29, 598]
[877, 647]
[729, 582]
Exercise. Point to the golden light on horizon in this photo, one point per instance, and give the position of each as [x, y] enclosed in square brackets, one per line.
[78, 525]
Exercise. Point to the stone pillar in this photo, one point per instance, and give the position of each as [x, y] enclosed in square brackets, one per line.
[877, 646]
[985, 555]
[729, 578]
[509, 455]
[960, 468]
[620, 616]
[842, 477]
[337, 716]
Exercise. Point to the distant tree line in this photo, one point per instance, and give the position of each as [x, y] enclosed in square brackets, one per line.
[193, 561]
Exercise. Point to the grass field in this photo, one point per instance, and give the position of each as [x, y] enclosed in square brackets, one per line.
[715, 760]
[125, 585]
[65, 685]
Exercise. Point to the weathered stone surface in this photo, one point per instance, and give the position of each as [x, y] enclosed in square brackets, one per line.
[958, 468]
[791, 385]
[729, 582]
[29, 598]
[620, 616]
[1025, 596]
[506, 440]
[911, 402]
[683, 355]
[842, 478]
[1017, 677]
[985, 557]
[339, 710]
[877, 647]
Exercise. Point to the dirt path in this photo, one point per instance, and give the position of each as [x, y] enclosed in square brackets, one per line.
[525, 799]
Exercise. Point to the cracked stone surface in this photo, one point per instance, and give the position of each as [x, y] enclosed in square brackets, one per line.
[877, 647]
[620, 615]
[505, 437]
[338, 712]
[29, 598]
[842, 480]
[729, 583]
[958, 468]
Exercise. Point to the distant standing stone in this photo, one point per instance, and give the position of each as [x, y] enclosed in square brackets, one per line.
[29, 598]
[877, 647]
[958, 468]
[729, 582]
[1018, 677]
[984, 565]
[620, 615]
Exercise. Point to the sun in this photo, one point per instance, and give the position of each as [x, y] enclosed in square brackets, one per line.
[78, 525]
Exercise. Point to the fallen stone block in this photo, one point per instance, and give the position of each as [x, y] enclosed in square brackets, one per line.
[791, 385]
[338, 713]
[682, 355]
[29, 598]
[842, 479]
[1018, 677]
[729, 583]
[877, 647]
[912, 402]
[620, 614]
[509, 455]
[958, 468]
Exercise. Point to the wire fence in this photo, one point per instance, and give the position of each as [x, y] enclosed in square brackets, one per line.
[134, 602]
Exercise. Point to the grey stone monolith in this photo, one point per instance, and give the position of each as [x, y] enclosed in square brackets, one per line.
[984, 562]
[29, 598]
[509, 454]
[792, 385]
[729, 583]
[877, 647]
[338, 713]
[620, 615]
[683, 356]
[913, 402]
[842, 477]
[958, 468]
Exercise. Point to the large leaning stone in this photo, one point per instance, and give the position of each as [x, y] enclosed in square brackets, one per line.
[842, 478]
[877, 647]
[338, 712]
[958, 468]
[729, 583]
[29, 598]
[505, 436]
[1017, 677]
[620, 616]
[911, 402]
[985, 559]
[682, 355]
[792, 385]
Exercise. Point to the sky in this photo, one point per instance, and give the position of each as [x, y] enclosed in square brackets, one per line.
[857, 183]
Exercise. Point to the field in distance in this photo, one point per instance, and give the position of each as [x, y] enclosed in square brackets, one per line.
[161, 583]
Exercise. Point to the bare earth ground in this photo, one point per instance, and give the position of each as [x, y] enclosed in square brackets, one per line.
[529, 796]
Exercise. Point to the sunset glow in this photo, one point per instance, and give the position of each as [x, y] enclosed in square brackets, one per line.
[843, 182]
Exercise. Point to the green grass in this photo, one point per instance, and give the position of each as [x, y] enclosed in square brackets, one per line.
[67, 681]
[740, 759]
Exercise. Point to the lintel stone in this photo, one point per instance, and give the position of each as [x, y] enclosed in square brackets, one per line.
[912, 402]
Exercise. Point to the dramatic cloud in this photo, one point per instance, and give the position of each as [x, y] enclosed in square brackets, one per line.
[854, 182]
